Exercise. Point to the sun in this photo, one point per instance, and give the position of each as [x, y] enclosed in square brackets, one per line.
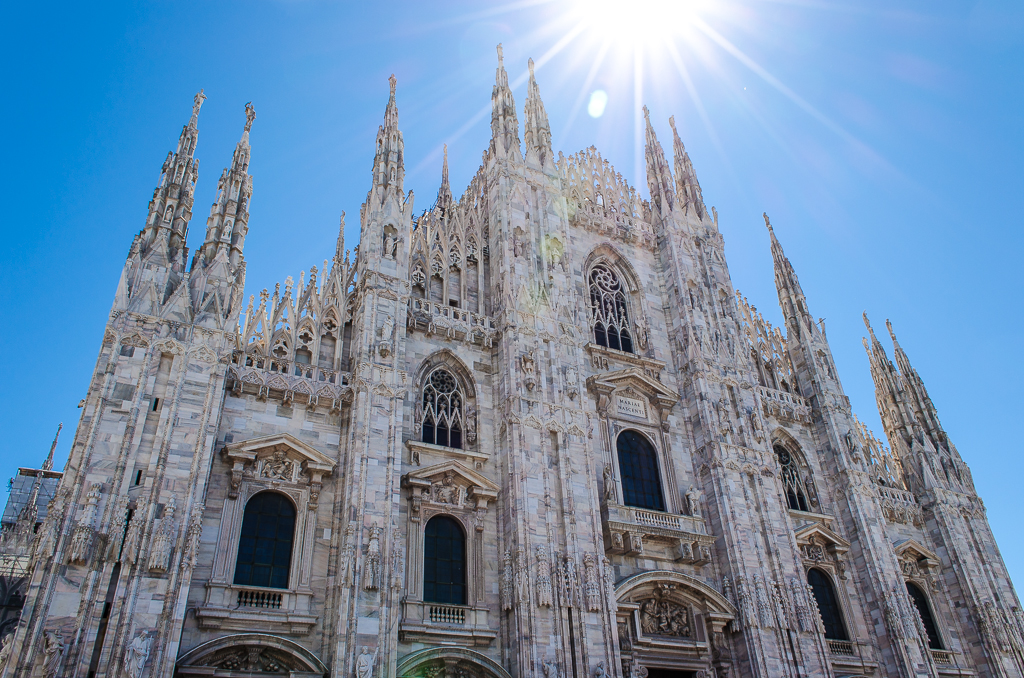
[637, 23]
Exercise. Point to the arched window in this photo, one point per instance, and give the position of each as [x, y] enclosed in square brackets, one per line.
[265, 545]
[442, 410]
[791, 483]
[638, 465]
[608, 308]
[444, 562]
[925, 610]
[828, 604]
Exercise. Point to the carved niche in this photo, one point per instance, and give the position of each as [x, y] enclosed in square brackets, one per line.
[821, 547]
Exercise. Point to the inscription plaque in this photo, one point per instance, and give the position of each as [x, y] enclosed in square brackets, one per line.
[631, 407]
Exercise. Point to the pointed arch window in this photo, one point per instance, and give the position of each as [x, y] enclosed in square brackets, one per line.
[828, 604]
[925, 610]
[796, 497]
[265, 544]
[638, 466]
[442, 410]
[608, 309]
[444, 562]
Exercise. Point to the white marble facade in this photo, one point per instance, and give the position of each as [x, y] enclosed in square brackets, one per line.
[501, 306]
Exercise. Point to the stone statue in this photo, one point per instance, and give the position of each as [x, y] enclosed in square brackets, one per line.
[136, 654]
[609, 484]
[390, 245]
[53, 654]
[388, 329]
[551, 669]
[693, 496]
[371, 576]
[365, 662]
[599, 671]
[250, 116]
[197, 102]
[5, 650]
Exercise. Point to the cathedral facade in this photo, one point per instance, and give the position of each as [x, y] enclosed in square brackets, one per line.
[532, 432]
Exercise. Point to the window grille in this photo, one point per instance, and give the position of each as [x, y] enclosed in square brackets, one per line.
[444, 562]
[608, 308]
[265, 545]
[442, 410]
[828, 604]
[791, 483]
[638, 466]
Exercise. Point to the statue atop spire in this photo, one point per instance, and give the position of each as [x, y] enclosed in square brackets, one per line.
[250, 116]
[444, 192]
[197, 103]
[389, 161]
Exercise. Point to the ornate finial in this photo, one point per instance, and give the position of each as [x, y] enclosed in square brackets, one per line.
[48, 464]
[647, 114]
[766, 222]
[197, 102]
[392, 81]
[672, 123]
[250, 115]
[529, 65]
[501, 56]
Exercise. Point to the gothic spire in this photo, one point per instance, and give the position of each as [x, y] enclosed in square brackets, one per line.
[389, 160]
[227, 224]
[687, 187]
[444, 192]
[339, 251]
[791, 296]
[48, 464]
[171, 207]
[923, 406]
[504, 123]
[537, 132]
[659, 176]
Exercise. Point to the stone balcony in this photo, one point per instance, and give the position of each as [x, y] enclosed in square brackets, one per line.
[271, 377]
[454, 323]
[254, 608]
[442, 623]
[628, 527]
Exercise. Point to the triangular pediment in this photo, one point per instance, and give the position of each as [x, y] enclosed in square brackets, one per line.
[635, 379]
[437, 472]
[250, 450]
[823, 536]
[911, 549]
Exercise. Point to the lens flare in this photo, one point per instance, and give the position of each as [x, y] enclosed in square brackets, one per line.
[638, 22]
[598, 100]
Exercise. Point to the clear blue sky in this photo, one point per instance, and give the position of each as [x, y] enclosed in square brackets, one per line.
[883, 138]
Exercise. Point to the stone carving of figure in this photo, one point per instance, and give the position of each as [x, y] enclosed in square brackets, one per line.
[136, 655]
[609, 484]
[643, 333]
[507, 578]
[277, 467]
[471, 423]
[347, 552]
[197, 102]
[853, 445]
[81, 538]
[5, 650]
[693, 496]
[528, 362]
[53, 654]
[447, 492]
[551, 670]
[163, 541]
[130, 547]
[390, 245]
[371, 577]
[365, 662]
[599, 671]
[388, 329]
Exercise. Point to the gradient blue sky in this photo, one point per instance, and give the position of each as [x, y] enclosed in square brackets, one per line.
[883, 138]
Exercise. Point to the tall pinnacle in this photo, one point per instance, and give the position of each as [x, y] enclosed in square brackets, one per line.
[48, 464]
[791, 296]
[444, 192]
[389, 161]
[687, 187]
[170, 210]
[537, 131]
[659, 176]
[339, 251]
[504, 123]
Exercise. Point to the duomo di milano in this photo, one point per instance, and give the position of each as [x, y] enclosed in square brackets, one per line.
[533, 432]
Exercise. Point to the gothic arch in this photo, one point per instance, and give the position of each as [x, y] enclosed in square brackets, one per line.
[445, 358]
[418, 663]
[243, 654]
[609, 255]
[781, 439]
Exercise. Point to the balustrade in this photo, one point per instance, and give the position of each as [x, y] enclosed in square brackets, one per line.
[447, 614]
[261, 599]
